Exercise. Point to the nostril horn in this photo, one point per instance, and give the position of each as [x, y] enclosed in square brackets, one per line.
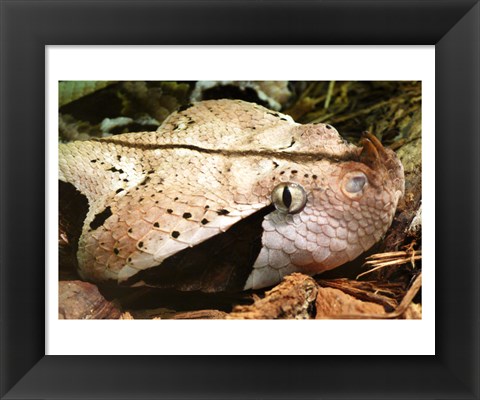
[374, 140]
[369, 154]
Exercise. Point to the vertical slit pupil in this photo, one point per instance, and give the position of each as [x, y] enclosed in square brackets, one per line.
[287, 197]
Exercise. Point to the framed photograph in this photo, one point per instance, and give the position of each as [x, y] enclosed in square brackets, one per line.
[201, 53]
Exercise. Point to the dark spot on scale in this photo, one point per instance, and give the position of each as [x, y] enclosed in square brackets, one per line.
[282, 172]
[328, 126]
[151, 171]
[191, 122]
[175, 199]
[102, 163]
[116, 251]
[129, 259]
[274, 114]
[314, 176]
[204, 221]
[276, 164]
[306, 175]
[140, 200]
[119, 190]
[140, 244]
[156, 224]
[169, 210]
[175, 127]
[187, 215]
[130, 230]
[223, 212]
[273, 178]
[253, 127]
[100, 218]
[125, 180]
[283, 119]
[113, 169]
[156, 202]
[175, 234]
[145, 180]
[294, 171]
[93, 161]
[119, 158]
[207, 206]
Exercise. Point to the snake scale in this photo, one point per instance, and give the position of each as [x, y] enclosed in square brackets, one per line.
[225, 196]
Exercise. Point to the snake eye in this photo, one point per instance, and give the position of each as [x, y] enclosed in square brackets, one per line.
[289, 197]
[354, 183]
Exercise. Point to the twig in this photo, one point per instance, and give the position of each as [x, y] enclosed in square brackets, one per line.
[331, 85]
[402, 307]
[382, 260]
[389, 263]
[367, 110]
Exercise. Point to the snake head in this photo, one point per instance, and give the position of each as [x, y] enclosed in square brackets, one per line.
[338, 208]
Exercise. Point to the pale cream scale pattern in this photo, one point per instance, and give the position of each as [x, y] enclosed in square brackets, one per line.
[152, 195]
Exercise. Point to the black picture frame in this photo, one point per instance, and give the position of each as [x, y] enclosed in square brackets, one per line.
[453, 26]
